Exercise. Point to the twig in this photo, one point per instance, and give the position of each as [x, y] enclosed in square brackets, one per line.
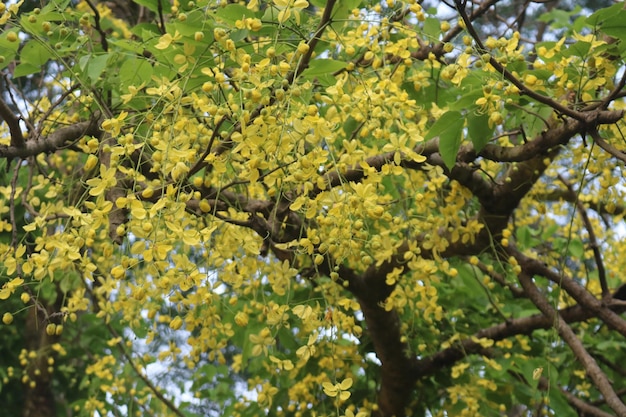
[607, 146]
[17, 139]
[161, 19]
[567, 334]
[170, 405]
[12, 205]
[593, 241]
[103, 38]
[53, 107]
[508, 75]
[500, 279]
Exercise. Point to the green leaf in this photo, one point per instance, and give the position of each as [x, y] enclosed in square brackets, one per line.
[601, 15]
[472, 289]
[449, 128]
[478, 130]
[558, 18]
[580, 49]
[7, 50]
[467, 100]
[93, 65]
[343, 8]
[549, 232]
[525, 237]
[153, 5]
[559, 404]
[35, 53]
[576, 248]
[432, 28]
[141, 331]
[25, 69]
[615, 25]
[135, 71]
[234, 12]
[320, 67]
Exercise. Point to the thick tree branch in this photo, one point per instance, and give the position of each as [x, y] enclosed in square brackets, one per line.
[54, 141]
[553, 137]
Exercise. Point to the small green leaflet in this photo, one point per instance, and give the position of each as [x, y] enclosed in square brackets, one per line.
[478, 130]
[319, 67]
[449, 128]
[154, 5]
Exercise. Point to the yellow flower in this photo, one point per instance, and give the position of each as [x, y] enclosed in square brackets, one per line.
[338, 390]
[99, 185]
[167, 39]
[113, 126]
[286, 7]
[9, 288]
[176, 323]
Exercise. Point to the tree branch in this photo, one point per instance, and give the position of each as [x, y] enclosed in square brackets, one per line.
[593, 241]
[54, 141]
[520, 326]
[606, 146]
[460, 4]
[17, 139]
[575, 290]
[567, 334]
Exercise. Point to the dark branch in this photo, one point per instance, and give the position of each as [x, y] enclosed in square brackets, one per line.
[567, 334]
[54, 141]
[17, 139]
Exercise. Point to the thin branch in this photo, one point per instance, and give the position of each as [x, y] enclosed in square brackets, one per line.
[200, 163]
[508, 75]
[593, 241]
[574, 289]
[500, 279]
[14, 230]
[157, 393]
[17, 139]
[53, 108]
[103, 38]
[607, 147]
[567, 334]
[161, 18]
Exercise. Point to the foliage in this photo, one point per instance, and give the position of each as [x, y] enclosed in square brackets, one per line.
[312, 208]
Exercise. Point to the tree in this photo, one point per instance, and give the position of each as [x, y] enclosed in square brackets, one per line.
[337, 208]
